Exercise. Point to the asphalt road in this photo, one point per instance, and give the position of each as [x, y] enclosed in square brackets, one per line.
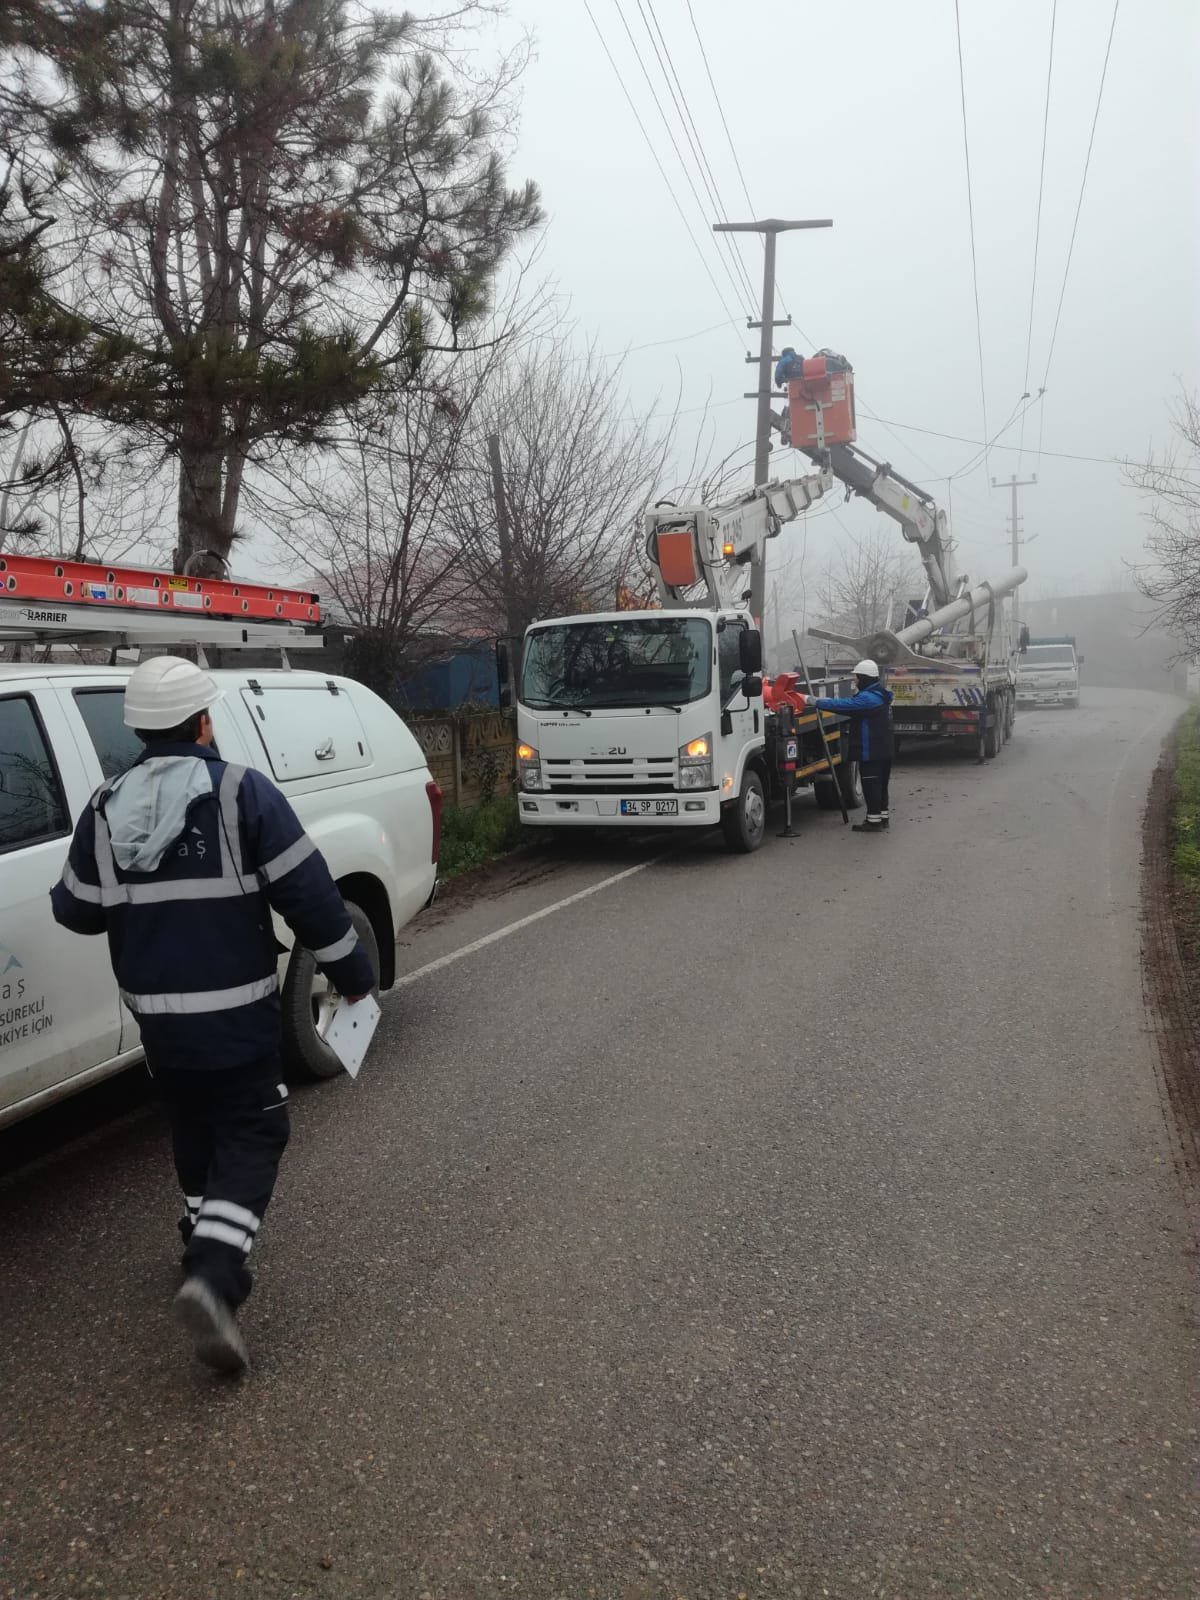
[795, 1225]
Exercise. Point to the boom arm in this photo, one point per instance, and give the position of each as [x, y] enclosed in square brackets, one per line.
[921, 521]
[721, 546]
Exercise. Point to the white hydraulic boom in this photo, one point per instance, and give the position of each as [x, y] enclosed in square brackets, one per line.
[921, 521]
[720, 547]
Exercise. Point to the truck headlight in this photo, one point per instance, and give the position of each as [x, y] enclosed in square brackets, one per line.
[529, 767]
[696, 763]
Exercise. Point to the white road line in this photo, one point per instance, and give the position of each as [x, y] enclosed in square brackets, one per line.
[524, 922]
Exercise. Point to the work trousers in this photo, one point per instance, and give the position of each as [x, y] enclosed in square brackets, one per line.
[229, 1129]
[875, 778]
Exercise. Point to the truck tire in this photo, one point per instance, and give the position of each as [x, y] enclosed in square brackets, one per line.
[744, 823]
[992, 739]
[848, 781]
[307, 1005]
[1010, 717]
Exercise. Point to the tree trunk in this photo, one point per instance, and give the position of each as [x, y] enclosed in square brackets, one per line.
[205, 535]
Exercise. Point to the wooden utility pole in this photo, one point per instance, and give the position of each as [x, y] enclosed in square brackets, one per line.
[770, 230]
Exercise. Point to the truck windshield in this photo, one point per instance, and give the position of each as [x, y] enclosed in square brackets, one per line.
[1049, 655]
[647, 661]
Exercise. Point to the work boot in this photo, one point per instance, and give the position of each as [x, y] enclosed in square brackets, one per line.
[867, 827]
[217, 1339]
[886, 824]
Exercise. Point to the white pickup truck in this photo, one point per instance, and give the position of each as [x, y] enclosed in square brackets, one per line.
[349, 766]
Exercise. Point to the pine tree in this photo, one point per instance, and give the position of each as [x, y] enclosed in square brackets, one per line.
[273, 203]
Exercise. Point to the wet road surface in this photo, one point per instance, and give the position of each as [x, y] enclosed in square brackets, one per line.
[800, 1224]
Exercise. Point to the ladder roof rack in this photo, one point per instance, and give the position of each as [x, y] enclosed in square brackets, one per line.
[49, 600]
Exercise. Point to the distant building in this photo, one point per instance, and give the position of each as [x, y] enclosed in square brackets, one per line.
[1122, 645]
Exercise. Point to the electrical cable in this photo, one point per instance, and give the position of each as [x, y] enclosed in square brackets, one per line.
[666, 122]
[699, 154]
[962, 89]
[1037, 232]
[662, 172]
[959, 438]
[1112, 28]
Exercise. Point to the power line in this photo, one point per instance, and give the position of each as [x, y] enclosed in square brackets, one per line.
[1112, 28]
[720, 109]
[987, 444]
[679, 338]
[962, 90]
[662, 171]
[666, 122]
[699, 154]
[716, 93]
[1037, 232]
[958, 438]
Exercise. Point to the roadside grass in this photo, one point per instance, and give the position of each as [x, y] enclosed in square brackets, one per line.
[472, 836]
[1185, 803]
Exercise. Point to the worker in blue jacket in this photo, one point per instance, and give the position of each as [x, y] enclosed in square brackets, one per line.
[870, 713]
[180, 862]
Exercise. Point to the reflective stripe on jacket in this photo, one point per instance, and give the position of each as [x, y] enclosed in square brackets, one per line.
[192, 943]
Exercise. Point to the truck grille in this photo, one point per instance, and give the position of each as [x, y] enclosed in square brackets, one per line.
[612, 775]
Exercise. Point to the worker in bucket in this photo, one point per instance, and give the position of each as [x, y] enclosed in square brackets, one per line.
[181, 861]
[789, 366]
[870, 711]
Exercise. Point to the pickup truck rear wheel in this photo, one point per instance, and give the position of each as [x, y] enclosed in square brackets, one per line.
[744, 823]
[308, 1003]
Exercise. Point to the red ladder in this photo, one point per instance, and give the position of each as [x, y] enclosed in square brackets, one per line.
[90, 583]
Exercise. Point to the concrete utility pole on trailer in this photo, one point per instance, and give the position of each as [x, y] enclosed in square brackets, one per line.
[770, 230]
[1014, 524]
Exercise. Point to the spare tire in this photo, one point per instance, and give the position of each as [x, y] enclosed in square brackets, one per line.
[308, 1002]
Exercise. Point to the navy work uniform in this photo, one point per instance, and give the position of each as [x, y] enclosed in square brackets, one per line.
[209, 849]
[871, 742]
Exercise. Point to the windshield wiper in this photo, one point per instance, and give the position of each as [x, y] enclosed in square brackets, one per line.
[640, 705]
[558, 705]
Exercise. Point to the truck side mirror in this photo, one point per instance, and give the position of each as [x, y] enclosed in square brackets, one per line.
[504, 673]
[750, 651]
[752, 685]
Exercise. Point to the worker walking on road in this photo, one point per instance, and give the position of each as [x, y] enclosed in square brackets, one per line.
[180, 861]
[870, 713]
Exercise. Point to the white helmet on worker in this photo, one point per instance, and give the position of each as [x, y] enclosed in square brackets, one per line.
[866, 669]
[165, 691]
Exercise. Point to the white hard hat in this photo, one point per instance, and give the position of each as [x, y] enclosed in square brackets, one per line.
[167, 690]
[866, 669]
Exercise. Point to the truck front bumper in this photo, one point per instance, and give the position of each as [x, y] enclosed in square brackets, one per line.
[697, 810]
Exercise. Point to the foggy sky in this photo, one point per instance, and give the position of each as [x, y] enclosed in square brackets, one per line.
[852, 111]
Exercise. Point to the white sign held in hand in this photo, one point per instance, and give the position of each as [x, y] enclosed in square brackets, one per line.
[351, 1030]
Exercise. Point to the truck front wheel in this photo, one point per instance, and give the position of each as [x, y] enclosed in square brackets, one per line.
[744, 823]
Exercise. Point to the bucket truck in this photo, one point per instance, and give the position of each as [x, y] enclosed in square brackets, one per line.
[657, 716]
[956, 677]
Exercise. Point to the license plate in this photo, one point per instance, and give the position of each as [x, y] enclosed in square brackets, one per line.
[909, 727]
[649, 808]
